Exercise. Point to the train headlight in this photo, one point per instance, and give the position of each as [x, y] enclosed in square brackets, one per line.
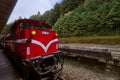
[56, 34]
[33, 32]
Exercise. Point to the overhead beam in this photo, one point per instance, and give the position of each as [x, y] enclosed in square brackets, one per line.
[6, 8]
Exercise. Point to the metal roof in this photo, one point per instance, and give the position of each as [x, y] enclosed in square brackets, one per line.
[6, 7]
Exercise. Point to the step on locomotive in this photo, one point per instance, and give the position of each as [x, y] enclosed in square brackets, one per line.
[33, 47]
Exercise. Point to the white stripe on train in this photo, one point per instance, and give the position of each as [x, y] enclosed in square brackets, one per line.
[45, 48]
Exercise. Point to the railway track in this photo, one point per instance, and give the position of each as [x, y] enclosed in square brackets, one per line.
[86, 69]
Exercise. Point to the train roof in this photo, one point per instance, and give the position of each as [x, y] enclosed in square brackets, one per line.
[34, 21]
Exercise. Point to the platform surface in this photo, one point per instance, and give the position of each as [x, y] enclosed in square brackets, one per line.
[115, 50]
[7, 71]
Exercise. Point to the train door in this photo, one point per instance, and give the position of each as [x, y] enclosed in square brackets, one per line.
[13, 34]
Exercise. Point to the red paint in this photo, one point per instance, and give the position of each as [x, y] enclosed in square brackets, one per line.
[19, 45]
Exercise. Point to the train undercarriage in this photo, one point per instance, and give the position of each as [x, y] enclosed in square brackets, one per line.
[41, 68]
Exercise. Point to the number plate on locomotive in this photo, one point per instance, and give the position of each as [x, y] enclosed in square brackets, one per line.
[46, 33]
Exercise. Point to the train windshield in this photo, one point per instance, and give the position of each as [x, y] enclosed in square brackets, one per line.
[24, 25]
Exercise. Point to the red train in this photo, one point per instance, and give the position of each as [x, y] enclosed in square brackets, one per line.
[34, 45]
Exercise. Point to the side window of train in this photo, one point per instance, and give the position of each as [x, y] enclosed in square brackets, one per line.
[22, 27]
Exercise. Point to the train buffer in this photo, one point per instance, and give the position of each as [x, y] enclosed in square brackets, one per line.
[7, 71]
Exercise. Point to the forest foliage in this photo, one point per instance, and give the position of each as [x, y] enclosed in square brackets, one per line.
[83, 17]
[92, 18]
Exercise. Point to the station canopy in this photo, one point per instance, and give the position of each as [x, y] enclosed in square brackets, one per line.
[6, 8]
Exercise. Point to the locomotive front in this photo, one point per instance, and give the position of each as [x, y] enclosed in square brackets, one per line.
[35, 45]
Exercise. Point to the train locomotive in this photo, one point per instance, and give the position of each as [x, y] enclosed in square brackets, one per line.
[33, 45]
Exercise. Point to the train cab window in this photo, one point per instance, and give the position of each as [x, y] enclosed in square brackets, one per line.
[40, 27]
[25, 25]
[21, 26]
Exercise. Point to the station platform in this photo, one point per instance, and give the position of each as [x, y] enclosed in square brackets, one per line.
[7, 71]
[114, 49]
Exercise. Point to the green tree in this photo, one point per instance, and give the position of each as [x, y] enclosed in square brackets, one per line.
[52, 15]
[68, 5]
[93, 18]
[6, 29]
[36, 16]
[45, 16]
